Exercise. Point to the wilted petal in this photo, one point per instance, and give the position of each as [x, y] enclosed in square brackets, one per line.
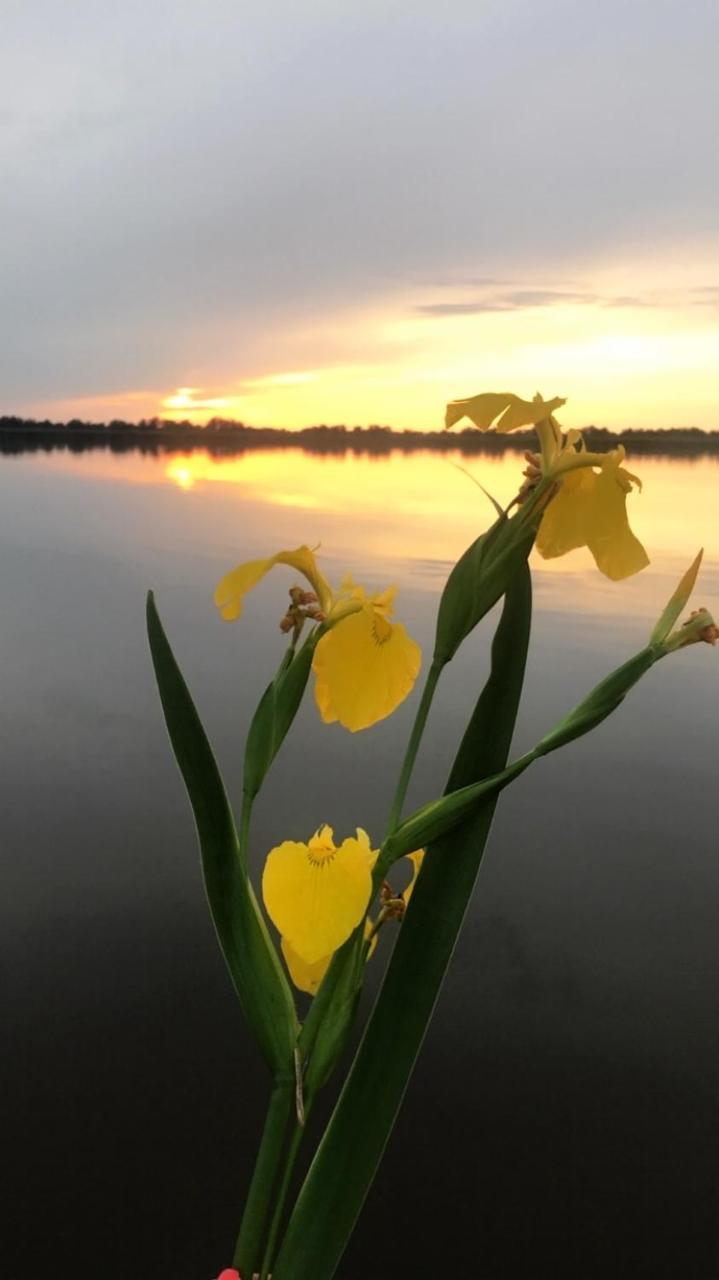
[365, 666]
[230, 592]
[315, 893]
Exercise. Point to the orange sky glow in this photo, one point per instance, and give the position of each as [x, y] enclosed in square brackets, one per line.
[623, 350]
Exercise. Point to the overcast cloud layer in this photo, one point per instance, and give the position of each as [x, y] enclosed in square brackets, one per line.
[188, 186]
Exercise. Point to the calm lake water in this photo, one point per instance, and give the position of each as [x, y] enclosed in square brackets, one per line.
[563, 1120]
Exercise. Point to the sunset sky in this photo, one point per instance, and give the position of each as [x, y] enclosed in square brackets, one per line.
[335, 212]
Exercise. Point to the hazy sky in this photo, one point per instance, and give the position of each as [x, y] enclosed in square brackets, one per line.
[347, 212]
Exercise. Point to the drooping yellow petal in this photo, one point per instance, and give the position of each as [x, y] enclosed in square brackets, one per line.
[416, 858]
[231, 590]
[306, 977]
[365, 666]
[563, 525]
[315, 893]
[483, 409]
[591, 510]
[617, 551]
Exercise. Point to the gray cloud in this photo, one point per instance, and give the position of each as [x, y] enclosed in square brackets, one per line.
[192, 189]
[708, 296]
[524, 299]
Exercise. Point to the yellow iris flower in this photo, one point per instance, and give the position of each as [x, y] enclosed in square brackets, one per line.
[316, 894]
[364, 663]
[589, 508]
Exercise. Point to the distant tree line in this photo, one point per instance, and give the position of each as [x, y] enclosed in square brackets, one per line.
[222, 436]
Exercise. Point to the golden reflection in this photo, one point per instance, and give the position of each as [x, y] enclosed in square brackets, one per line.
[181, 474]
[411, 514]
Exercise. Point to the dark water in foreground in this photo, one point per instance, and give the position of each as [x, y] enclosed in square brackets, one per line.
[564, 1116]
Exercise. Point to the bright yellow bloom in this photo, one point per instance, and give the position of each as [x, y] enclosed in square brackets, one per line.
[317, 893]
[365, 664]
[590, 506]
[591, 510]
[341, 902]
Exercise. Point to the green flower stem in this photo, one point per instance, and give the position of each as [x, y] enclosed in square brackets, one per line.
[281, 1199]
[420, 721]
[281, 1107]
[264, 1178]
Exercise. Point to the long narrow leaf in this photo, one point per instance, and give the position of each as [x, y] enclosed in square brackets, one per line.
[251, 959]
[352, 1147]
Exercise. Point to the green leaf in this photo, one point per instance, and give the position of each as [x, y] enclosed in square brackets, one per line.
[480, 578]
[253, 963]
[350, 1152]
[275, 713]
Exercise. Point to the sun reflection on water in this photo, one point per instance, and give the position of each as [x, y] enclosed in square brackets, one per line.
[412, 514]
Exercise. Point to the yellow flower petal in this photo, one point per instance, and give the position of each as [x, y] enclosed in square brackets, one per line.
[315, 893]
[483, 409]
[365, 666]
[563, 525]
[591, 510]
[230, 592]
[306, 977]
[617, 551]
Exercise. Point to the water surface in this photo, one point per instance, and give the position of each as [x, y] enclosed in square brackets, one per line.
[563, 1117]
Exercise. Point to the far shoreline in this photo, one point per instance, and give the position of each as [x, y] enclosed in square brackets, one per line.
[222, 438]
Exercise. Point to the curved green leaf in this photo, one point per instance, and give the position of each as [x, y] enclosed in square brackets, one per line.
[253, 963]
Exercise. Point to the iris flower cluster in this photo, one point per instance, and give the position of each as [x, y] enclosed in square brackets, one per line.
[328, 899]
[365, 663]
